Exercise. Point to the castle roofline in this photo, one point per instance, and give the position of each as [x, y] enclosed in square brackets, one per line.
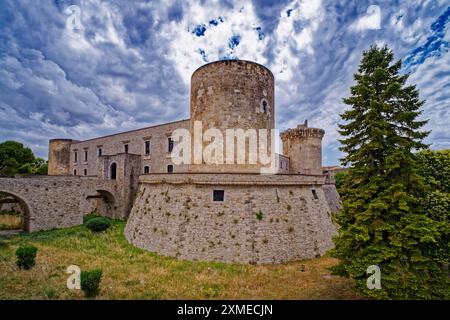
[130, 131]
[232, 61]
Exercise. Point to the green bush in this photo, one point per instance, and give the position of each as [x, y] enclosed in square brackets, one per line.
[98, 224]
[26, 256]
[90, 282]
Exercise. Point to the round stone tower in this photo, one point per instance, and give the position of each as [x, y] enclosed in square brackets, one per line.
[59, 157]
[303, 146]
[231, 94]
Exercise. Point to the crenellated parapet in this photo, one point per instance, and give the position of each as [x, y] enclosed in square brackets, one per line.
[302, 132]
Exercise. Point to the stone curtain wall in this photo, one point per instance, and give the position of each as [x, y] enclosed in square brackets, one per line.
[57, 202]
[176, 216]
[50, 203]
[332, 197]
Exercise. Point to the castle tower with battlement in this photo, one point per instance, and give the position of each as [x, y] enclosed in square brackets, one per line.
[303, 146]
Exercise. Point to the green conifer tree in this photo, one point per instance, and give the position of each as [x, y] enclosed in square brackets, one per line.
[381, 222]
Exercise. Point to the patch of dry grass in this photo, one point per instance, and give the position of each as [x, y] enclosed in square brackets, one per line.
[10, 221]
[131, 273]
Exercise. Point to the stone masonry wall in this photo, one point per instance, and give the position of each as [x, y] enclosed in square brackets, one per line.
[232, 95]
[56, 202]
[157, 160]
[178, 217]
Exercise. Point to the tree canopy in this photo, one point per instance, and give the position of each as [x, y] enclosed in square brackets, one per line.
[16, 158]
[383, 221]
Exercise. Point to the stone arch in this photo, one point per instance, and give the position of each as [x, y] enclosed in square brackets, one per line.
[25, 208]
[113, 171]
[105, 203]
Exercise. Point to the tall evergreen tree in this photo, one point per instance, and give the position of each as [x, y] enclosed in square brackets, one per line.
[381, 222]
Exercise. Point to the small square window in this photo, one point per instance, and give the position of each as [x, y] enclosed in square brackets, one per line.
[218, 195]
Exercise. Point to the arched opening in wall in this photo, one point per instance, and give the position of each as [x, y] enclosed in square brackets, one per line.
[104, 203]
[113, 171]
[264, 106]
[14, 213]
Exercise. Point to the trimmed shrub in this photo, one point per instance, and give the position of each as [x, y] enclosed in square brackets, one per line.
[26, 256]
[98, 224]
[90, 282]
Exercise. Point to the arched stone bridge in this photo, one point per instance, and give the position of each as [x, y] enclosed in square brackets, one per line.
[61, 201]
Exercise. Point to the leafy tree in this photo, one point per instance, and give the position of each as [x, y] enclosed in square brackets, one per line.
[339, 179]
[434, 166]
[16, 158]
[382, 222]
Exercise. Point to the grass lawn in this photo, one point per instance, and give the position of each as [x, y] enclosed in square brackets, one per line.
[131, 273]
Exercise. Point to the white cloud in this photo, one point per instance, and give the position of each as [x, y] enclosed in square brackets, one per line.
[290, 41]
[370, 21]
[184, 46]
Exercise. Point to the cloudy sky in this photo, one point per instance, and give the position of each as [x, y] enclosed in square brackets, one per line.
[108, 66]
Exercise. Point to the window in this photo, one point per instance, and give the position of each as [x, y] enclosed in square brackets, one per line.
[170, 144]
[146, 169]
[126, 148]
[113, 171]
[170, 168]
[264, 106]
[147, 147]
[75, 172]
[75, 156]
[314, 192]
[85, 155]
[100, 152]
[85, 172]
[218, 195]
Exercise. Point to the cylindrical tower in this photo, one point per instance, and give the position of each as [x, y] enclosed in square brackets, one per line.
[303, 146]
[59, 157]
[232, 94]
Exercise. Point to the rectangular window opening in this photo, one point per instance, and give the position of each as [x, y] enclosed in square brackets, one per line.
[219, 195]
[314, 192]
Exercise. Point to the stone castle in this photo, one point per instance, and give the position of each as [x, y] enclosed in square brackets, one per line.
[227, 212]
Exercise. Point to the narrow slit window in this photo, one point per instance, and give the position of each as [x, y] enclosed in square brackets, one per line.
[85, 172]
[126, 148]
[170, 141]
[314, 192]
[147, 147]
[85, 155]
[76, 156]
